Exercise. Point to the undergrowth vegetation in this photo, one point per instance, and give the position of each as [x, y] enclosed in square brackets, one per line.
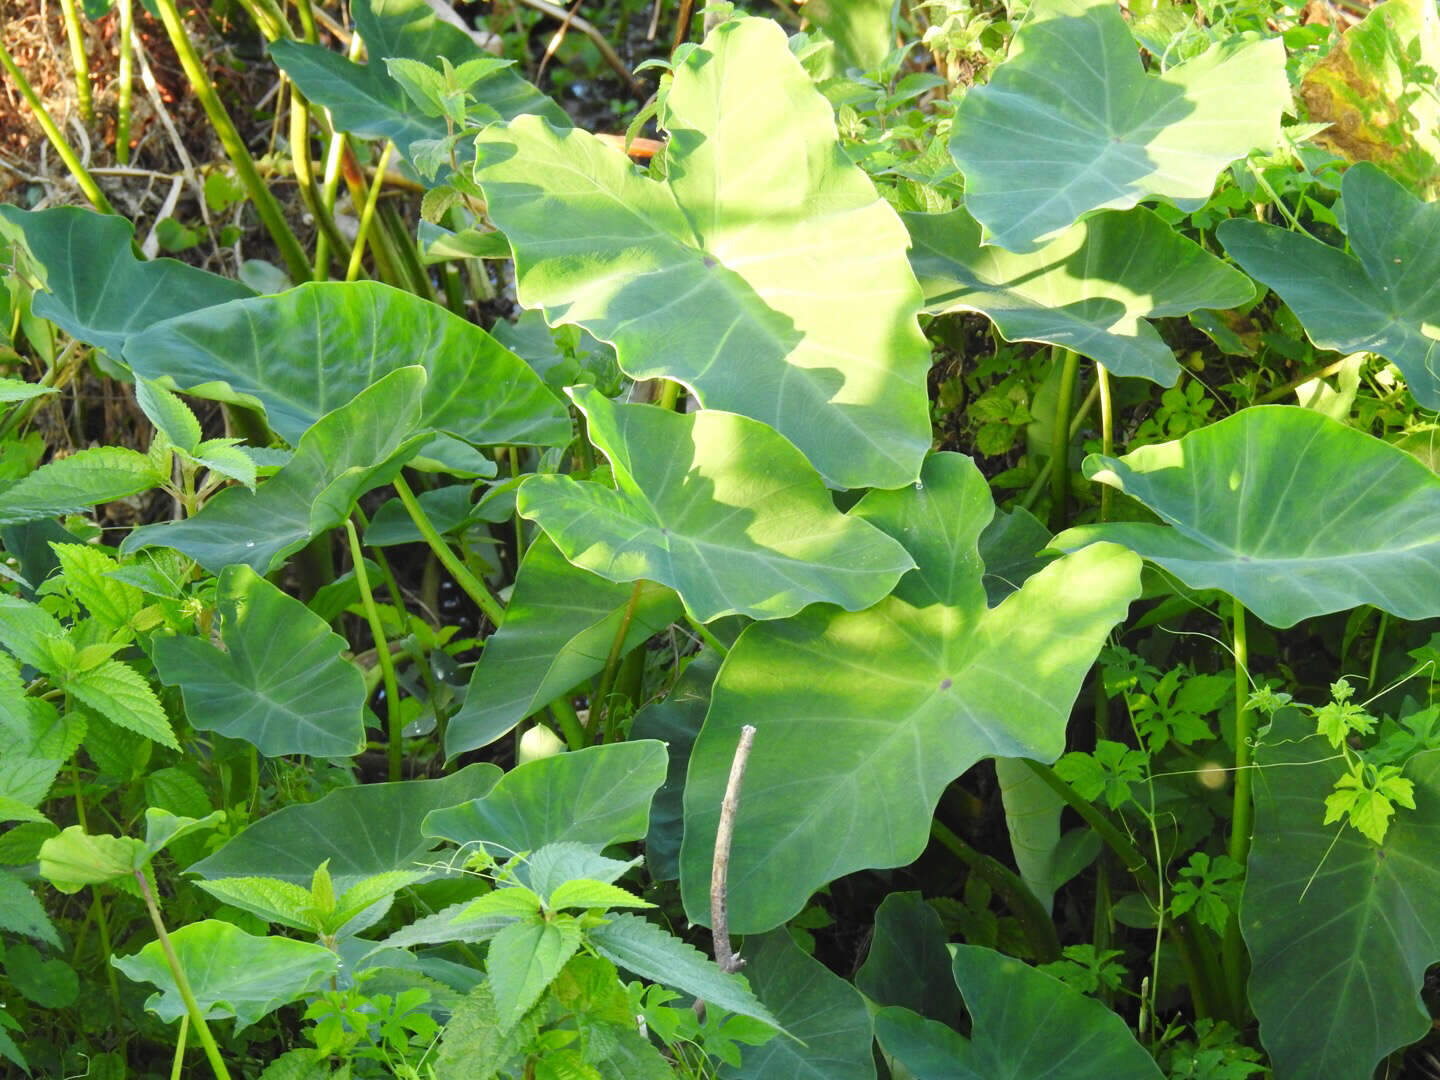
[855, 540]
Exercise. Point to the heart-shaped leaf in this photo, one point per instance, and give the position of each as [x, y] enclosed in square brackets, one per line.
[1027, 1025]
[1382, 299]
[230, 972]
[363, 831]
[909, 960]
[1090, 289]
[311, 349]
[600, 795]
[886, 707]
[763, 272]
[1340, 930]
[825, 1014]
[559, 627]
[99, 291]
[718, 507]
[359, 446]
[1071, 123]
[1288, 511]
[365, 100]
[278, 681]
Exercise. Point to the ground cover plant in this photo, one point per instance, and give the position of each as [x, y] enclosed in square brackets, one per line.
[885, 540]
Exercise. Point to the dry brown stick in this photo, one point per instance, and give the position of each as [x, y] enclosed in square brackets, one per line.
[720, 869]
[610, 56]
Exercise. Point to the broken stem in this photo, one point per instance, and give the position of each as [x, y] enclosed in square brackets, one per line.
[720, 869]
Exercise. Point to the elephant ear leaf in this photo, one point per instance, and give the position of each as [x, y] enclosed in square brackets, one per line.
[888, 705]
[1025, 1024]
[1381, 299]
[1071, 123]
[1290, 512]
[1340, 929]
[763, 271]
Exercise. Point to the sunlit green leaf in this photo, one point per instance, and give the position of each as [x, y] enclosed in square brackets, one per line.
[312, 349]
[764, 272]
[99, 291]
[886, 707]
[718, 507]
[1092, 288]
[1072, 123]
[231, 973]
[1285, 509]
[277, 681]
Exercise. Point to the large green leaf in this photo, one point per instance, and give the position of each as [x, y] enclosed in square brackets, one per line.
[278, 680]
[364, 100]
[909, 960]
[71, 484]
[350, 451]
[230, 972]
[763, 272]
[600, 795]
[1090, 289]
[99, 291]
[825, 1013]
[886, 707]
[363, 831]
[718, 507]
[311, 349]
[1381, 300]
[863, 30]
[558, 630]
[1340, 931]
[1071, 123]
[1026, 1026]
[1289, 511]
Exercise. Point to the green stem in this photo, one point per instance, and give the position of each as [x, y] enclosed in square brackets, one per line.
[1188, 935]
[265, 204]
[1375, 655]
[182, 982]
[330, 186]
[78, 60]
[514, 455]
[177, 1062]
[1135, 862]
[67, 154]
[395, 758]
[706, 636]
[102, 924]
[1039, 927]
[127, 79]
[1107, 433]
[1032, 494]
[599, 705]
[367, 215]
[1241, 816]
[1069, 361]
[669, 395]
[569, 721]
[473, 587]
[405, 255]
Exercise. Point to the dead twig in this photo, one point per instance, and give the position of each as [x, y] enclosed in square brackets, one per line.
[720, 868]
[587, 28]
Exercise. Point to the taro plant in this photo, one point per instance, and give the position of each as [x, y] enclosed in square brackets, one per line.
[473, 676]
